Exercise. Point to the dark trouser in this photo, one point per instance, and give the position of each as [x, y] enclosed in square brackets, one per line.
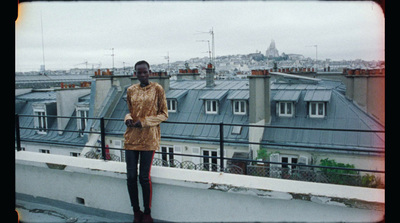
[146, 160]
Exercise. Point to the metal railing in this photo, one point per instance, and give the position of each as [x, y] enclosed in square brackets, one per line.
[298, 168]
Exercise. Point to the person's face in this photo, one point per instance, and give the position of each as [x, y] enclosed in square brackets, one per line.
[142, 73]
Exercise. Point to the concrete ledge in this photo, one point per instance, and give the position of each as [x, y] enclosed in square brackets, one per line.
[187, 195]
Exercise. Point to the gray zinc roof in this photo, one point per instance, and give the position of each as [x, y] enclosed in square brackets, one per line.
[38, 95]
[71, 138]
[287, 95]
[341, 114]
[214, 95]
[176, 94]
[239, 95]
[318, 95]
[191, 109]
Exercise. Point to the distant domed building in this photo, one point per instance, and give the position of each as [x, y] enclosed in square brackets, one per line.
[272, 51]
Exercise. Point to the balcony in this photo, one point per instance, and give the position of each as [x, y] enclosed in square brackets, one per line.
[203, 192]
[327, 173]
[181, 195]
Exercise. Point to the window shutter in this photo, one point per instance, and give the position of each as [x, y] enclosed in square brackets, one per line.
[303, 160]
[196, 151]
[117, 144]
[275, 169]
[326, 108]
[178, 150]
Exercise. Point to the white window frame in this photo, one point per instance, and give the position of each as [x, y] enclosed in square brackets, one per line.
[41, 121]
[317, 109]
[239, 107]
[284, 105]
[172, 105]
[206, 160]
[211, 107]
[171, 149]
[44, 151]
[75, 154]
[167, 157]
[79, 119]
[291, 159]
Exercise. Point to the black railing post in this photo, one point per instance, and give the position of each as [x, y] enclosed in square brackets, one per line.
[221, 145]
[103, 138]
[17, 134]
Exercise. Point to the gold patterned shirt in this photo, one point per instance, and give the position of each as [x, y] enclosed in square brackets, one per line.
[149, 105]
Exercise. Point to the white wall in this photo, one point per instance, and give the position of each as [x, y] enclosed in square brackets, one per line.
[54, 149]
[186, 195]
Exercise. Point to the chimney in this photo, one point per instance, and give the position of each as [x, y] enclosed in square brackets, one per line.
[188, 74]
[102, 86]
[259, 106]
[259, 102]
[210, 72]
[66, 98]
[367, 91]
[160, 77]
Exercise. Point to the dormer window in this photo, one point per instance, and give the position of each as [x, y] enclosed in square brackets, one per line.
[317, 109]
[239, 107]
[41, 110]
[82, 114]
[286, 109]
[174, 98]
[239, 100]
[172, 105]
[211, 107]
[317, 102]
[286, 101]
[40, 121]
[82, 119]
[212, 100]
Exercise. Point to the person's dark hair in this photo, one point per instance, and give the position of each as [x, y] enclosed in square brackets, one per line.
[142, 62]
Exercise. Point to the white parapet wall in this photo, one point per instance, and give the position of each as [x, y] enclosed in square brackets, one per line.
[181, 195]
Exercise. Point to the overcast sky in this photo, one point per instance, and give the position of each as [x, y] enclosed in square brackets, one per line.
[75, 32]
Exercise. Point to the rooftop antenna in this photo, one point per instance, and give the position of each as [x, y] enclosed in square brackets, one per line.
[42, 68]
[209, 51]
[123, 62]
[112, 55]
[316, 55]
[167, 58]
[212, 43]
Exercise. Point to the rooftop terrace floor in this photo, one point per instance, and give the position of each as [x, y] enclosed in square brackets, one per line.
[35, 209]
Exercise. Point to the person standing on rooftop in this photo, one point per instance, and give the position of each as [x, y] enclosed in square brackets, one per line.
[147, 106]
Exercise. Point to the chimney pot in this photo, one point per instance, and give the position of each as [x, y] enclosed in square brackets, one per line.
[210, 71]
[350, 72]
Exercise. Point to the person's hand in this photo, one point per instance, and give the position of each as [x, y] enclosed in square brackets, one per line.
[137, 124]
[129, 123]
